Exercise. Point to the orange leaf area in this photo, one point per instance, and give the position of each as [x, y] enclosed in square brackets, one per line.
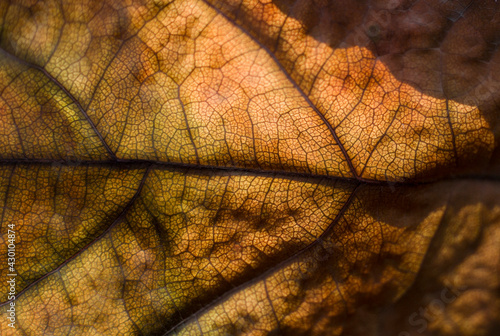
[198, 167]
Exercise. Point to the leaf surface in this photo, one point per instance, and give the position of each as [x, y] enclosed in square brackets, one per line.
[250, 168]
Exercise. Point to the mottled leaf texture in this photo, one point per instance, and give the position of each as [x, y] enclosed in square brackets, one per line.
[250, 167]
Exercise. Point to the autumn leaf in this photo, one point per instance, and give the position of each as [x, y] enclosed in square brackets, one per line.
[195, 167]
